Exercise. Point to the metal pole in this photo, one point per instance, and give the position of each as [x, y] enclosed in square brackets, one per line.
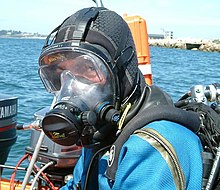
[12, 167]
[33, 160]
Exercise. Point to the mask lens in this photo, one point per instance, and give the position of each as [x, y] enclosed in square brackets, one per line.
[51, 80]
[84, 66]
[85, 69]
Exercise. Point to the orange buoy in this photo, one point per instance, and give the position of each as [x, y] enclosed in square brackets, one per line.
[138, 28]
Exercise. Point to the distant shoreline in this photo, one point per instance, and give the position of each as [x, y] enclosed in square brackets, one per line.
[24, 37]
[190, 44]
[19, 34]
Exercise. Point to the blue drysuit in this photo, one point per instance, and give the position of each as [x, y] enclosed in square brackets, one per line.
[141, 166]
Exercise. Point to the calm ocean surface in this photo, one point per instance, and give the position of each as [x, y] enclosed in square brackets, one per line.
[174, 70]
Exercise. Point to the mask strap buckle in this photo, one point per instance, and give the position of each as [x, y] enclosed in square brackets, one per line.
[123, 59]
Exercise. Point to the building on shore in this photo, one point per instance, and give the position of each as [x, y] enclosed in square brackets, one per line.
[156, 36]
[166, 35]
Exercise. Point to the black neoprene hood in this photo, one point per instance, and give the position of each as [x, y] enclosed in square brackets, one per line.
[106, 31]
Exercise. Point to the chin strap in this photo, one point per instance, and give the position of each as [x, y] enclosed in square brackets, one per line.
[136, 92]
[119, 67]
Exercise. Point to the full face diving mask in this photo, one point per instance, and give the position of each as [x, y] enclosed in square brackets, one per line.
[84, 90]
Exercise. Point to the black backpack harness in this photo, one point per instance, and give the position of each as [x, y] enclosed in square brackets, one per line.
[199, 118]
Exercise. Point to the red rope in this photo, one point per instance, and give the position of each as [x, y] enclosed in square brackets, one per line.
[12, 180]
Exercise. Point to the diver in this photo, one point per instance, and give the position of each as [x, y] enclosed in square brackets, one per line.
[132, 135]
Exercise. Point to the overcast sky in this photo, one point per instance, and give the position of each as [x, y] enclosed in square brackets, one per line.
[186, 18]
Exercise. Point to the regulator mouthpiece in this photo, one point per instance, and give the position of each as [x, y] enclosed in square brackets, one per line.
[64, 123]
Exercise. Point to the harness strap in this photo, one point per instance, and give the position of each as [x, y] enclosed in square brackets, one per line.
[91, 181]
[146, 116]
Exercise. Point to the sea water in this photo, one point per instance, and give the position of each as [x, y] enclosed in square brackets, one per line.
[174, 70]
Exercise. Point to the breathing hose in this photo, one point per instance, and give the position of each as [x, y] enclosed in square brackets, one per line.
[39, 172]
[47, 180]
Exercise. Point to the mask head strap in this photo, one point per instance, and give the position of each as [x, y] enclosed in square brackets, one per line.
[81, 25]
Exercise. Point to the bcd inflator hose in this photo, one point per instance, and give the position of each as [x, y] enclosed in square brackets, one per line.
[214, 171]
